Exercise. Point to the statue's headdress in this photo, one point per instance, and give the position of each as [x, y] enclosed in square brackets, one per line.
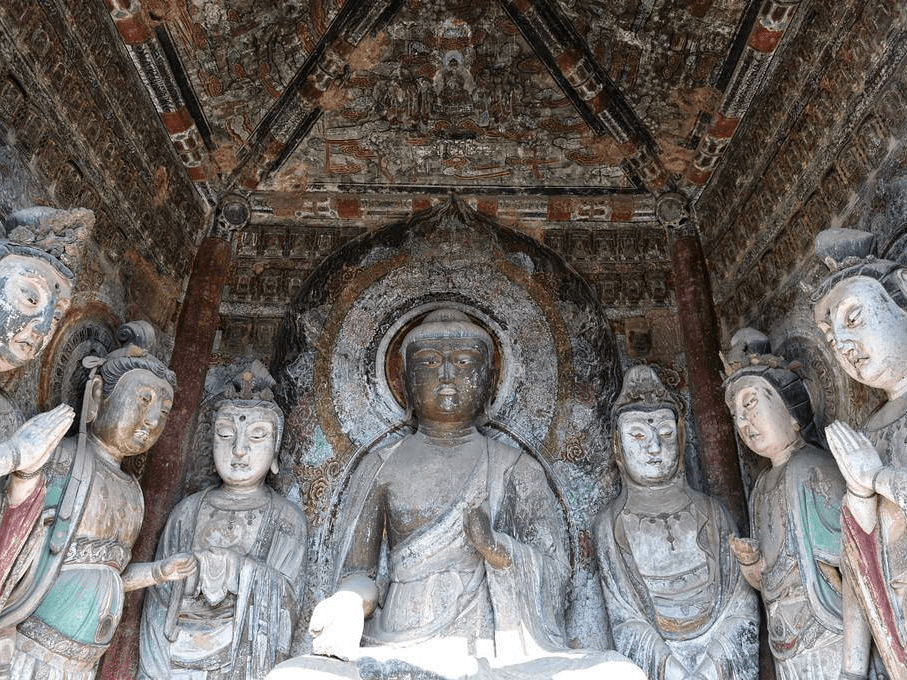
[252, 388]
[136, 340]
[447, 323]
[44, 233]
[643, 391]
[849, 253]
[750, 355]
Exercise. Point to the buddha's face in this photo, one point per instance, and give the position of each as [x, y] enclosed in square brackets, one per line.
[867, 331]
[649, 446]
[132, 417]
[761, 417]
[33, 298]
[245, 444]
[447, 379]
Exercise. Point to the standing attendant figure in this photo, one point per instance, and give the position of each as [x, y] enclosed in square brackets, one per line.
[234, 618]
[795, 510]
[678, 604]
[861, 306]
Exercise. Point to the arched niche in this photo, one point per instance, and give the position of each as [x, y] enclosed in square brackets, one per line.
[338, 370]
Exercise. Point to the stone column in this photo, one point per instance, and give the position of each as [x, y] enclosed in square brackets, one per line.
[164, 477]
[699, 328]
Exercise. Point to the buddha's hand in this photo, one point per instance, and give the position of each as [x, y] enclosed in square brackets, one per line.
[336, 625]
[40, 436]
[748, 555]
[477, 525]
[856, 457]
[177, 567]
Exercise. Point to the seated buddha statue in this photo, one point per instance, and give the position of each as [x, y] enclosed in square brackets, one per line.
[472, 535]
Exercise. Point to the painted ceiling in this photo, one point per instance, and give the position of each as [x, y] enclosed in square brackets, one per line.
[532, 97]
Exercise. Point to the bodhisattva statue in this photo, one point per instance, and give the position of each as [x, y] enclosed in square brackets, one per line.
[70, 578]
[234, 618]
[475, 541]
[677, 602]
[862, 309]
[34, 294]
[795, 507]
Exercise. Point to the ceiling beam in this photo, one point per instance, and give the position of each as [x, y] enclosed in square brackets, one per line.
[586, 84]
[292, 116]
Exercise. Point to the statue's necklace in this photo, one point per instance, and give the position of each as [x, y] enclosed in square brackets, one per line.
[667, 519]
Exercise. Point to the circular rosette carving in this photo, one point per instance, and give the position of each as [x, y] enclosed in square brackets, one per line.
[86, 330]
[833, 394]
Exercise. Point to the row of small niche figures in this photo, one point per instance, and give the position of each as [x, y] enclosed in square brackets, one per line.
[464, 571]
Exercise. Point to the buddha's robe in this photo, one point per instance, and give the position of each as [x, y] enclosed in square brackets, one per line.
[445, 610]
[438, 585]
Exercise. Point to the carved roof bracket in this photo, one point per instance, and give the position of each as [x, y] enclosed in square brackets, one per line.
[675, 213]
[231, 215]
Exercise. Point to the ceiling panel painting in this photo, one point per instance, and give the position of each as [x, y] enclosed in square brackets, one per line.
[450, 95]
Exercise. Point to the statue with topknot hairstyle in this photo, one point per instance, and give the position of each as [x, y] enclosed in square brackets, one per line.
[793, 555]
[67, 588]
[452, 560]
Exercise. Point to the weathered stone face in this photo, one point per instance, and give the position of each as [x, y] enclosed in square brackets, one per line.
[866, 330]
[649, 447]
[134, 415]
[447, 379]
[245, 444]
[33, 298]
[761, 417]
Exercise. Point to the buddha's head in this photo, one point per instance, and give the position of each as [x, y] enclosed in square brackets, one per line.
[130, 396]
[861, 307]
[768, 400]
[648, 433]
[248, 427]
[447, 364]
[35, 291]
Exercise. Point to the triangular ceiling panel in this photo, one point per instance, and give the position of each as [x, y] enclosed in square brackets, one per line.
[451, 95]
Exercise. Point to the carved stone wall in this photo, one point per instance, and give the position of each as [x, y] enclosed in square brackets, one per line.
[825, 146]
[75, 132]
[621, 254]
[820, 148]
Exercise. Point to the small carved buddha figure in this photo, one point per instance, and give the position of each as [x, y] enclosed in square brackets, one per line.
[70, 576]
[795, 507]
[234, 618]
[678, 605]
[862, 309]
[475, 541]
